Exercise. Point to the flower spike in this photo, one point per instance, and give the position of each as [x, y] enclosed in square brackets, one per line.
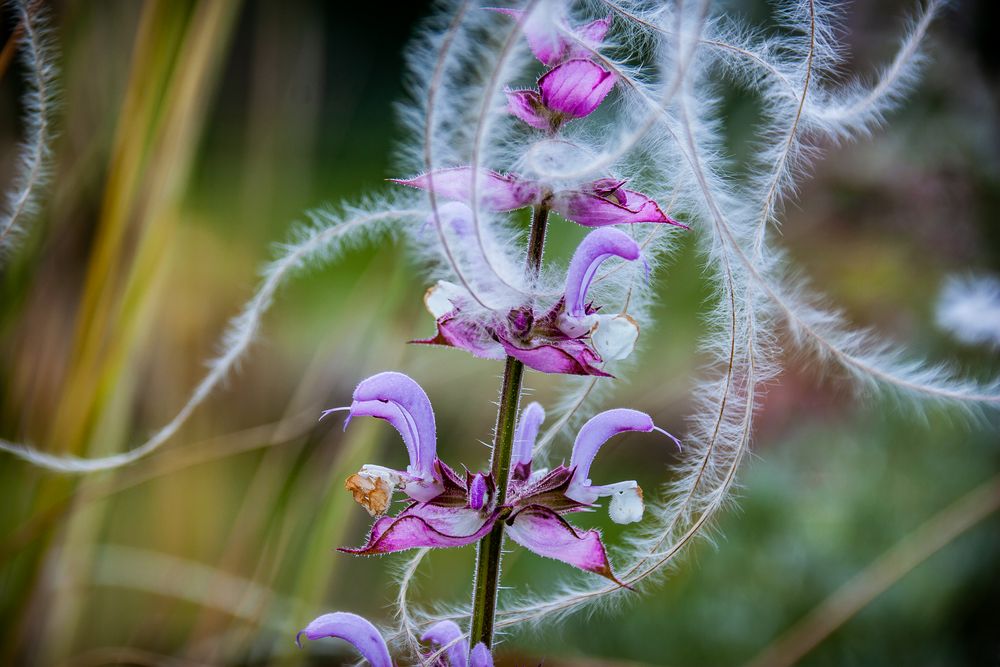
[359, 632]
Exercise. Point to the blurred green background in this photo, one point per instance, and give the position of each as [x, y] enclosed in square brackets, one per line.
[191, 135]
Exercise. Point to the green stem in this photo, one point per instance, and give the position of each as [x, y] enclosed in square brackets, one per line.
[490, 548]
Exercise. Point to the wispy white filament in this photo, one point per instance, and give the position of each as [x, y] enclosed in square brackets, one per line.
[321, 242]
[31, 172]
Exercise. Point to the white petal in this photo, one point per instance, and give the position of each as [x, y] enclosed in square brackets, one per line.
[626, 505]
[443, 298]
[575, 326]
[614, 336]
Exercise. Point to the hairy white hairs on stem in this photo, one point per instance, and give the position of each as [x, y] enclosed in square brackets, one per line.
[31, 173]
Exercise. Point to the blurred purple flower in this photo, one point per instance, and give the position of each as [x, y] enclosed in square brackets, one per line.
[547, 36]
[365, 637]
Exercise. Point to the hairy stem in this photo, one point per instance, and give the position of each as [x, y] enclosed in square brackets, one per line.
[490, 548]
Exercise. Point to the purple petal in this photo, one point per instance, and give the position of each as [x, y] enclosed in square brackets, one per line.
[527, 432]
[545, 533]
[444, 633]
[480, 656]
[351, 628]
[496, 192]
[570, 356]
[527, 105]
[400, 401]
[594, 32]
[596, 247]
[453, 332]
[425, 525]
[592, 435]
[575, 88]
[597, 209]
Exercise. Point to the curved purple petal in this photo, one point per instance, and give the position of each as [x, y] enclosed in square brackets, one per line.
[576, 88]
[496, 192]
[544, 532]
[592, 436]
[527, 105]
[480, 656]
[425, 525]
[444, 633]
[527, 432]
[351, 628]
[596, 247]
[399, 400]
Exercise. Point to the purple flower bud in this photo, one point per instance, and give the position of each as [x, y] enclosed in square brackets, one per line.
[477, 492]
[575, 88]
[444, 633]
[480, 656]
[527, 432]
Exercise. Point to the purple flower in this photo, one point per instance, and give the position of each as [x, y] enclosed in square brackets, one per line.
[572, 90]
[445, 633]
[351, 628]
[365, 637]
[547, 40]
[571, 338]
[597, 204]
[400, 401]
[466, 508]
